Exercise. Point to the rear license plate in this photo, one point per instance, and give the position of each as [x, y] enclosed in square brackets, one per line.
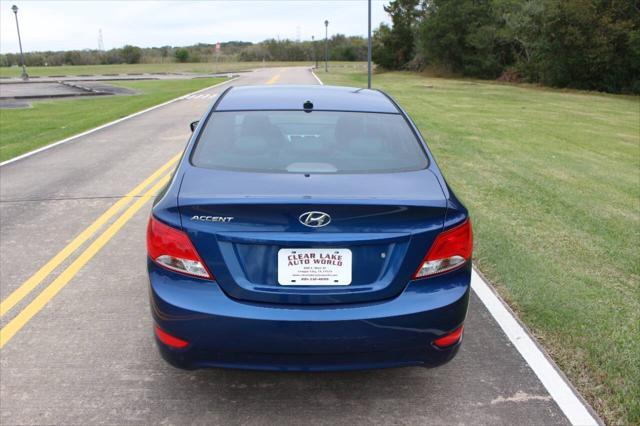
[314, 266]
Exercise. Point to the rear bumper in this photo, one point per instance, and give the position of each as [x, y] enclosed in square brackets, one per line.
[223, 332]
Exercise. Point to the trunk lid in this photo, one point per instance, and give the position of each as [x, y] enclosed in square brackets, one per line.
[239, 222]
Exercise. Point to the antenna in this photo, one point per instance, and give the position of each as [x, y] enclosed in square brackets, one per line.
[100, 41]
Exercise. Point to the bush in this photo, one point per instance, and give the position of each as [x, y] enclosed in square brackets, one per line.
[131, 54]
[182, 55]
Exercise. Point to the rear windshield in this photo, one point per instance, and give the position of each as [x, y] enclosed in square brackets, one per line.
[301, 142]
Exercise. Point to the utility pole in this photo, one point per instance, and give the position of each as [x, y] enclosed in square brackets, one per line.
[326, 46]
[369, 51]
[24, 75]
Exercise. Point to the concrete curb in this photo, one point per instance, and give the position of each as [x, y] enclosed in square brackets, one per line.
[316, 77]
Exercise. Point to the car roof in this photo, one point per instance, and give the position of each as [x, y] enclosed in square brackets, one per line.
[328, 98]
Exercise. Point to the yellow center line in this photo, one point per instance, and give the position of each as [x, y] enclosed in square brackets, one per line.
[273, 79]
[32, 282]
[10, 330]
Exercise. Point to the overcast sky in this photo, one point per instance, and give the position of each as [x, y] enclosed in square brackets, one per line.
[65, 25]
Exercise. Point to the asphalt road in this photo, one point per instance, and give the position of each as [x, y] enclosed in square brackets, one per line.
[86, 355]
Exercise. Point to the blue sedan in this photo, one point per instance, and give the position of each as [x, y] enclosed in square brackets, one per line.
[308, 228]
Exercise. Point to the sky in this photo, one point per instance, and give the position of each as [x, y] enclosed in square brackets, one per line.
[67, 25]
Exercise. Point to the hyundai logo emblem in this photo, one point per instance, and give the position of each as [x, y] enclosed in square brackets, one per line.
[314, 219]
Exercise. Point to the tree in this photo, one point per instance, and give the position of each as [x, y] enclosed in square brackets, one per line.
[131, 54]
[585, 44]
[182, 54]
[394, 46]
[523, 22]
[164, 52]
[464, 36]
[343, 48]
[590, 45]
[382, 53]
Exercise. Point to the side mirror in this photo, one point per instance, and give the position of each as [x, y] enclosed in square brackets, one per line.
[193, 125]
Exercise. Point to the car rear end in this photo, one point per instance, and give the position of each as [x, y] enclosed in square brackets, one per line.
[299, 238]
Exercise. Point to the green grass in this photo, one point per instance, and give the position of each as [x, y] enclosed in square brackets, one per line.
[75, 70]
[23, 130]
[552, 181]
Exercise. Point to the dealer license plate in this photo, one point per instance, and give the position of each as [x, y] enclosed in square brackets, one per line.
[314, 266]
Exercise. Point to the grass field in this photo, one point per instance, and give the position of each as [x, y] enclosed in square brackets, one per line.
[24, 130]
[552, 181]
[75, 70]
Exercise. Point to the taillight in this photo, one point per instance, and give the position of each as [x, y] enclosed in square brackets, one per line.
[450, 250]
[172, 249]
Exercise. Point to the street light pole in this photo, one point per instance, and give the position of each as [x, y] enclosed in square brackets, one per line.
[326, 46]
[24, 75]
[369, 51]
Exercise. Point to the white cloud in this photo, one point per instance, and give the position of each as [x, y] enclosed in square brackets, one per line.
[64, 25]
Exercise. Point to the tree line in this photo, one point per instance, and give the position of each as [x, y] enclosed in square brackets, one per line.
[341, 48]
[583, 44]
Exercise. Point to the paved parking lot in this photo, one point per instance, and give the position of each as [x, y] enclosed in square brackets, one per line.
[81, 349]
[29, 90]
